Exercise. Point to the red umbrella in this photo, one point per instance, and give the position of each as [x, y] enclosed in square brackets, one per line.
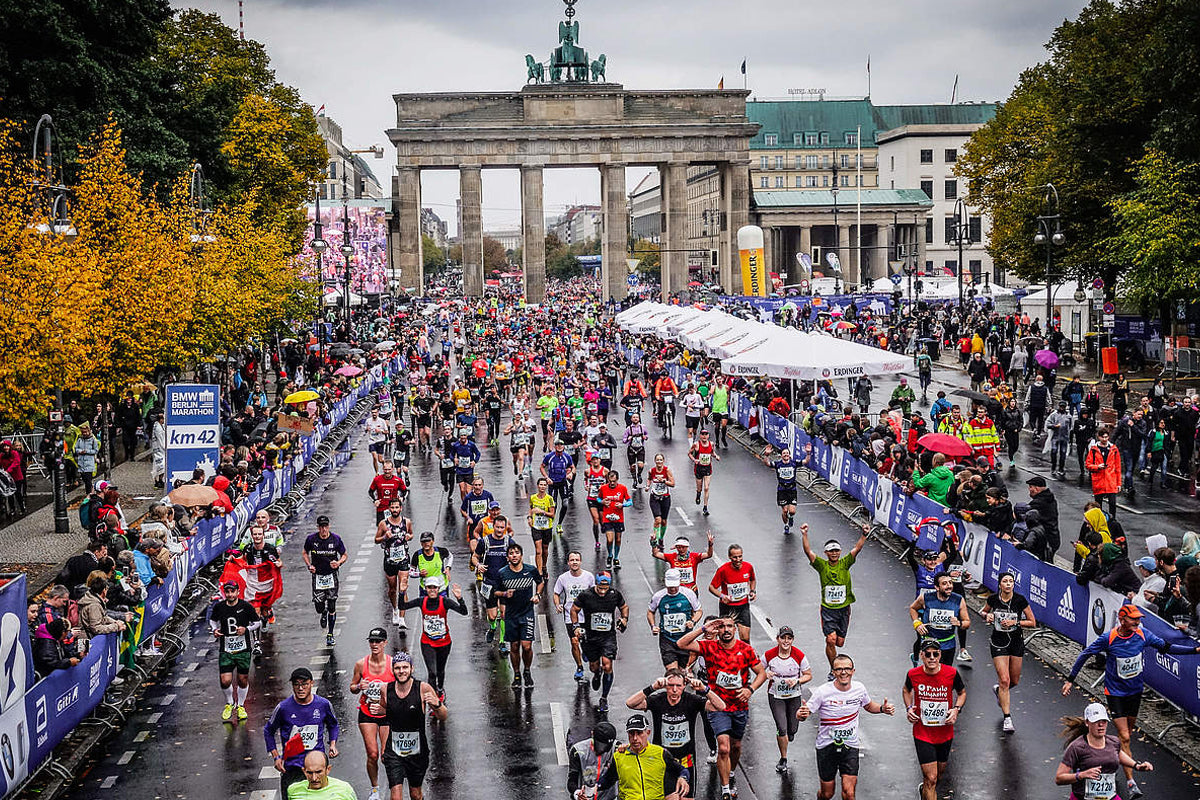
[946, 444]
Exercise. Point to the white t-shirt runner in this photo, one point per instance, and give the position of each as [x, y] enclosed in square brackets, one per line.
[783, 671]
[837, 712]
[377, 430]
[568, 587]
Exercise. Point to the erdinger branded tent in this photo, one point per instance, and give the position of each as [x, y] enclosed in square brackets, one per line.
[712, 323]
[685, 319]
[634, 313]
[735, 338]
[812, 356]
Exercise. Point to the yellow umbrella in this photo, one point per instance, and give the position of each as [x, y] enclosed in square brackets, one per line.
[302, 396]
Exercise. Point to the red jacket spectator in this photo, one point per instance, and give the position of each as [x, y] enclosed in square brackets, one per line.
[779, 406]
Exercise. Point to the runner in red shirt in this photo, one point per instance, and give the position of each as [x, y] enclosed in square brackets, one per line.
[593, 479]
[384, 487]
[613, 497]
[728, 662]
[702, 453]
[934, 695]
[683, 559]
[734, 585]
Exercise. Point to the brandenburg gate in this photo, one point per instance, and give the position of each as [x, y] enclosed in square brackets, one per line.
[568, 115]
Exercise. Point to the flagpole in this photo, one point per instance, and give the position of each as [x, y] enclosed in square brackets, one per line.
[858, 226]
[868, 77]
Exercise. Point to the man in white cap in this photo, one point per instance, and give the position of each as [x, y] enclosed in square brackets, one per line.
[672, 612]
[685, 560]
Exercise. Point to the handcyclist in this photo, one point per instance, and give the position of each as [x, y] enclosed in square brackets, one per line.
[519, 587]
[405, 703]
[837, 705]
[665, 391]
[443, 450]
[570, 585]
[393, 534]
[558, 468]
[435, 632]
[633, 398]
[598, 613]
[693, 408]
[702, 453]
[541, 522]
[635, 448]
[232, 620]
[384, 487]
[1008, 613]
[788, 670]
[785, 488]
[593, 479]
[323, 554]
[1124, 647]
[837, 593]
[735, 586]
[684, 559]
[661, 481]
[934, 696]
[672, 612]
[372, 673]
[431, 562]
[675, 701]
[614, 499]
[488, 557]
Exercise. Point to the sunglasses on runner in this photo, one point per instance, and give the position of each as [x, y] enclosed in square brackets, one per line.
[932, 653]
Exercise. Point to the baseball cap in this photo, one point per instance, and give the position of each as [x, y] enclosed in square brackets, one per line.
[786, 631]
[833, 544]
[1036, 480]
[1147, 563]
[301, 674]
[1095, 712]
[434, 581]
[322, 520]
[103, 486]
[427, 536]
[637, 722]
[604, 577]
[672, 577]
[227, 584]
[930, 644]
[377, 635]
[604, 732]
[493, 504]
[682, 540]
[603, 424]
[1130, 610]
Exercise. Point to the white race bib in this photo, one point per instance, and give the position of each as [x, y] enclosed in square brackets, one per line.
[738, 591]
[323, 582]
[783, 691]
[658, 488]
[541, 522]
[1102, 788]
[668, 398]
[447, 463]
[235, 643]
[845, 734]
[478, 508]
[674, 622]
[705, 459]
[686, 575]
[835, 594]
[463, 462]
[1000, 617]
[373, 690]
[786, 473]
[601, 621]
[435, 627]
[1129, 667]
[729, 680]
[308, 736]
[675, 734]
[605, 453]
[934, 712]
[406, 743]
[940, 618]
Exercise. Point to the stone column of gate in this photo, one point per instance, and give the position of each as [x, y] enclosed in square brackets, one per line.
[411, 262]
[735, 203]
[470, 181]
[770, 249]
[673, 179]
[614, 271]
[845, 248]
[533, 230]
[805, 247]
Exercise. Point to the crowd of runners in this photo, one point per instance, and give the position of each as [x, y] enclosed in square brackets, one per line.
[579, 421]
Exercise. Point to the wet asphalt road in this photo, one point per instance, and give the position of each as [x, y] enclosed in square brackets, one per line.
[498, 743]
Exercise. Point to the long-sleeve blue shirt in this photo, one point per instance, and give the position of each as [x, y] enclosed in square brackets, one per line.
[1123, 665]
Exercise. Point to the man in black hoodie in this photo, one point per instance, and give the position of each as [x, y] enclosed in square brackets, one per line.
[1043, 501]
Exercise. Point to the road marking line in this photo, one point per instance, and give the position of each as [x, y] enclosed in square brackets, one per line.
[1130, 510]
[142, 736]
[195, 665]
[265, 794]
[354, 570]
[125, 758]
[109, 782]
[686, 519]
[168, 699]
[155, 717]
[361, 560]
[324, 659]
[268, 773]
[560, 733]
[543, 633]
[181, 681]
[202, 653]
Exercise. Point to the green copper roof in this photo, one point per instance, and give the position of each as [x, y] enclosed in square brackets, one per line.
[787, 118]
[846, 198]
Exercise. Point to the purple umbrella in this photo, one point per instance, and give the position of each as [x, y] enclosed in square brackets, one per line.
[1046, 358]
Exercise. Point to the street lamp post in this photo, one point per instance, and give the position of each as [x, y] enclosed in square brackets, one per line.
[1051, 236]
[960, 235]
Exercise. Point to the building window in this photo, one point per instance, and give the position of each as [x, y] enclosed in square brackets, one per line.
[927, 188]
[825, 180]
[764, 162]
[951, 190]
[824, 137]
[892, 167]
[976, 266]
[778, 162]
[810, 138]
[812, 162]
[929, 235]
[844, 161]
[951, 155]
[859, 179]
[779, 179]
[764, 182]
[811, 181]
[333, 170]
[771, 140]
[825, 161]
[852, 139]
[845, 180]
[799, 182]
[926, 156]
[975, 226]
[797, 138]
[799, 161]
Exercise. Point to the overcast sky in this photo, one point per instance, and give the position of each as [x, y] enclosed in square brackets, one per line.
[352, 55]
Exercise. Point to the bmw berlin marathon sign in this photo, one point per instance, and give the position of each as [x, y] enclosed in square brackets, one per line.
[193, 421]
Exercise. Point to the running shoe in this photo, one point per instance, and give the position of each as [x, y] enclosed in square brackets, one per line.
[579, 675]
[616, 562]
[787, 530]
[227, 713]
[595, 680]
[402, 624]
[324, 620]
[782, 766]
[733, 784]
[504, 648]
[602, 706]
[516, 684]
[697, 498]
[441, 693]
[597, 545]
[241, 713]
[491, 635]
[528, 679]
[706, 509]
[396, 616]
[711, 758]
[329, 640]
[608, 562]
[374, 795]
[964, 656]
[1008, 725]
[726, 794]
[1134, 789]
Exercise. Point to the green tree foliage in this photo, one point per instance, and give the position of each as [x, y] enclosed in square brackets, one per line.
[648, 255]
[1114, 83]
[494, 255]
[433, 256]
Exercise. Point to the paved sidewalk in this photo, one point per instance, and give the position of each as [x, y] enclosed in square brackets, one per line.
[30, 544]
